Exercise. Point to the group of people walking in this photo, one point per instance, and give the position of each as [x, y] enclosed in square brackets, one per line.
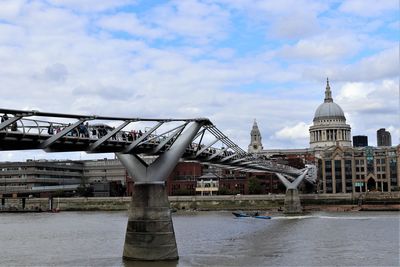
[82, 130]
[95, 131]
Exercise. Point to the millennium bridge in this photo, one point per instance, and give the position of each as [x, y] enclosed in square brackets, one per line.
[150, 233]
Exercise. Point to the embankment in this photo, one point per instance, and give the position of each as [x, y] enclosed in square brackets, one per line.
[340, 202]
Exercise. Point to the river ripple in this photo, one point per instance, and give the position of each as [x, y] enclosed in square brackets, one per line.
[205, 239]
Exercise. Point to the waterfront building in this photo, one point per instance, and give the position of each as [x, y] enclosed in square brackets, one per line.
[104, 170]
[107, 177]
[207, 184]
[361, 169]
[186, 179]
[39, 175]
[182, 180]
[233, 182]
[360, 141]
[329, 124]
[383, 137]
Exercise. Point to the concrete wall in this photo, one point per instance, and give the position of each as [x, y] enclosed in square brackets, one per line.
[237, 202]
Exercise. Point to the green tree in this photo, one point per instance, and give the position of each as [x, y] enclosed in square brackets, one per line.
[226, 191]
[254, 186]
[59, 193]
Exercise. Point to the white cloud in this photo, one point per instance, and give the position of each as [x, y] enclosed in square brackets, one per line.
[295, 25]
[382, 65]
[11, 35]
[280, 18]
[10, 9]
[298, 131]
[129, 23]
[324, 47]
[395, 25]
[369, 8]
[371, 97]
[91, 5]
[372, 105]
[199, 22]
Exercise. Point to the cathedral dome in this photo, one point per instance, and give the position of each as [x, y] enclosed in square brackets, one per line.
[329, 127]
[329, 110]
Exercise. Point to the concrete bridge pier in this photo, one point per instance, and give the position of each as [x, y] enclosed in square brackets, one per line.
[292, 200]
[150, 233]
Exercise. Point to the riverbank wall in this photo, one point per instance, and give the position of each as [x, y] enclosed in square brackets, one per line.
[366, 201]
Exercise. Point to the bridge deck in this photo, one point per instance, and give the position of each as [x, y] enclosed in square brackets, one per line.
[28, 130]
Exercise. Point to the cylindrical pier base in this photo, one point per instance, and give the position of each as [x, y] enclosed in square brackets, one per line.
[150, 233]
[292, 202]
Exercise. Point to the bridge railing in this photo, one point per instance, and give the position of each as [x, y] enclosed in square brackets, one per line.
[96, 132]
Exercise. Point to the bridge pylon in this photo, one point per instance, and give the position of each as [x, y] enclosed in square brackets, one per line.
[292, 200]
[150, 233]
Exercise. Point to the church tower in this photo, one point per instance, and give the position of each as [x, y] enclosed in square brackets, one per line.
[255, 143]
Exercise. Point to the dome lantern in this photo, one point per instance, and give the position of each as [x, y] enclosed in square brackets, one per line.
[328, 93]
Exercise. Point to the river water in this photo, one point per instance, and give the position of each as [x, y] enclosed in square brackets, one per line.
[205, 239]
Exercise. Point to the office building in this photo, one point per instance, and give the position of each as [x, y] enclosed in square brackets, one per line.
[360, 141]
[383, 137]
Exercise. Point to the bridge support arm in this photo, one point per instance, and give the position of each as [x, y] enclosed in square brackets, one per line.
[48, 142]
[136, 142]
[8, 122]
[292, 200]
[108, 136]
[159, 170]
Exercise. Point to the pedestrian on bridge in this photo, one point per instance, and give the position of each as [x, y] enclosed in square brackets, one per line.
[50, 130]
[4, 117]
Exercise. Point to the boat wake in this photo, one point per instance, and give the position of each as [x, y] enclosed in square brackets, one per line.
[326, 217]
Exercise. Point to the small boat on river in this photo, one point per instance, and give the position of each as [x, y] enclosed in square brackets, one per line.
[256, 215]
[240, 214]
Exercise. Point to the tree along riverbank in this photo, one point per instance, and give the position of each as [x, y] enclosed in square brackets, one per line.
[338, 202]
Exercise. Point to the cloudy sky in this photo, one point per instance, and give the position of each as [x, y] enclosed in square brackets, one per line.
[232, 61]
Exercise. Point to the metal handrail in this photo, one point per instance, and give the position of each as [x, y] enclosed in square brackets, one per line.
[212, 154]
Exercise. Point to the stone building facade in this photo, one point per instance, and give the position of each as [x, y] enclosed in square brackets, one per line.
[32, 174]
[363, 169]
[39, 176]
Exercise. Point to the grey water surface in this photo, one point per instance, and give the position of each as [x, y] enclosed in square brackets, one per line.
[205, 239]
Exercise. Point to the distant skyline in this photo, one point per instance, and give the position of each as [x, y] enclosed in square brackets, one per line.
[232, 61]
